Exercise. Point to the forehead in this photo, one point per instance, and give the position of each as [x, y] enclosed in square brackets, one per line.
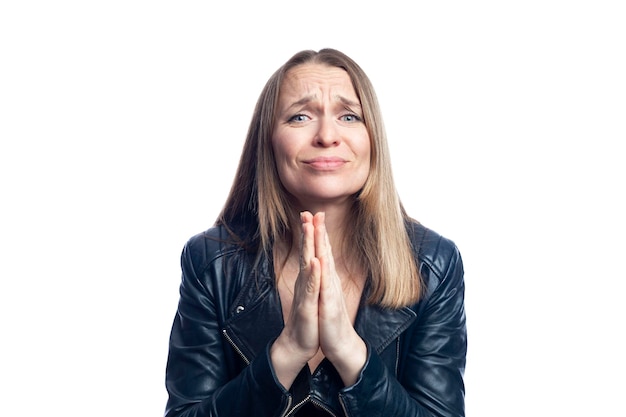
[316, 78]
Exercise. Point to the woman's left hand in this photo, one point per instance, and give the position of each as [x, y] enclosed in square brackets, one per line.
[339, 341]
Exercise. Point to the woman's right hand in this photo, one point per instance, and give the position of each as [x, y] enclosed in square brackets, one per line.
[299, 340]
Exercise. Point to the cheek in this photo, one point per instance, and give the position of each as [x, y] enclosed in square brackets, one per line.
[277, 146]
[366, 150]
[283, 155]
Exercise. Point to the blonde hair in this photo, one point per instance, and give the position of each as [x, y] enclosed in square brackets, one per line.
[378, 234]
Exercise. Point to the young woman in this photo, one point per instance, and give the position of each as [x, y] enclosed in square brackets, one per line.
[315, 294]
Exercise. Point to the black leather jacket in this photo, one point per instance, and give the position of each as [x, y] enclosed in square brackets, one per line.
[229, 314]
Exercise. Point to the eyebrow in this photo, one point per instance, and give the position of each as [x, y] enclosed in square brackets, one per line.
[348, 102]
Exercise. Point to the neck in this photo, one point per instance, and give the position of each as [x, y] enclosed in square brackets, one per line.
[287, 257]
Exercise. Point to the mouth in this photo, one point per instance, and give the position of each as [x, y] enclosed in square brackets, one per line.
[325, 163]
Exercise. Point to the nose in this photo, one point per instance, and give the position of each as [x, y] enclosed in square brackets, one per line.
[327, 133]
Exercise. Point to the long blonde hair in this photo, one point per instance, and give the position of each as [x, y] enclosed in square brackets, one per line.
[378, 234]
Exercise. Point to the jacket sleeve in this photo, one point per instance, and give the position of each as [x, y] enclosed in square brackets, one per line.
[430, 375]
[200, 379]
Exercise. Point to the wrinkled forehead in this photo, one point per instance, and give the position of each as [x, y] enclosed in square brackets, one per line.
[316, 80]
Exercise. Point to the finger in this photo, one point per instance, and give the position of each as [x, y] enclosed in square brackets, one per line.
[307, 248]
[321, 238]
[313, 283]
[323, 252]
[309, 275]
[329, 253]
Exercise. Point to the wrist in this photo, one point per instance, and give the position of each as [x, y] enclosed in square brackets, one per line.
[286, 361]
[351, 362]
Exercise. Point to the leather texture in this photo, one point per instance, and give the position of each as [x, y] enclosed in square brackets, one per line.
[229, 313]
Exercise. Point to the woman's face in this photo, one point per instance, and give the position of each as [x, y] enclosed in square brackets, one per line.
[320, 142]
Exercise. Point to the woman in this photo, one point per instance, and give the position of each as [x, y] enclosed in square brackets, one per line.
[315, 294]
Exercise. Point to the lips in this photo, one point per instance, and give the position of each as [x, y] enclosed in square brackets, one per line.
[325, 162]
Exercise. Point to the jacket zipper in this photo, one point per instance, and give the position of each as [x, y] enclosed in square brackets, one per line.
[397, 354]
[290, 412]
[323, 407]
[286, 411]
[343, 405]
[232, 343]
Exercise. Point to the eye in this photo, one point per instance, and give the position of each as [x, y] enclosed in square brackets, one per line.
[350, 118]
[298, 118]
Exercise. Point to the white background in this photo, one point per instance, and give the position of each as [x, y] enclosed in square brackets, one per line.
[121, 125]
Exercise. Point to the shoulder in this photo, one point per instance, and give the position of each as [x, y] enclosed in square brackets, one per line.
[438, 256]
[204, 248]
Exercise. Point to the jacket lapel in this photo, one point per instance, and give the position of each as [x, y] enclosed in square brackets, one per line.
[379, 327]
[256, 313]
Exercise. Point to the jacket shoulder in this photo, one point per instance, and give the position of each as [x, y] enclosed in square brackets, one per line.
[434, 251]
[206, 247]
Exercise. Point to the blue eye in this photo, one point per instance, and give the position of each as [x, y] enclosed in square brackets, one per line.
[298, 118]
[350, 118]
